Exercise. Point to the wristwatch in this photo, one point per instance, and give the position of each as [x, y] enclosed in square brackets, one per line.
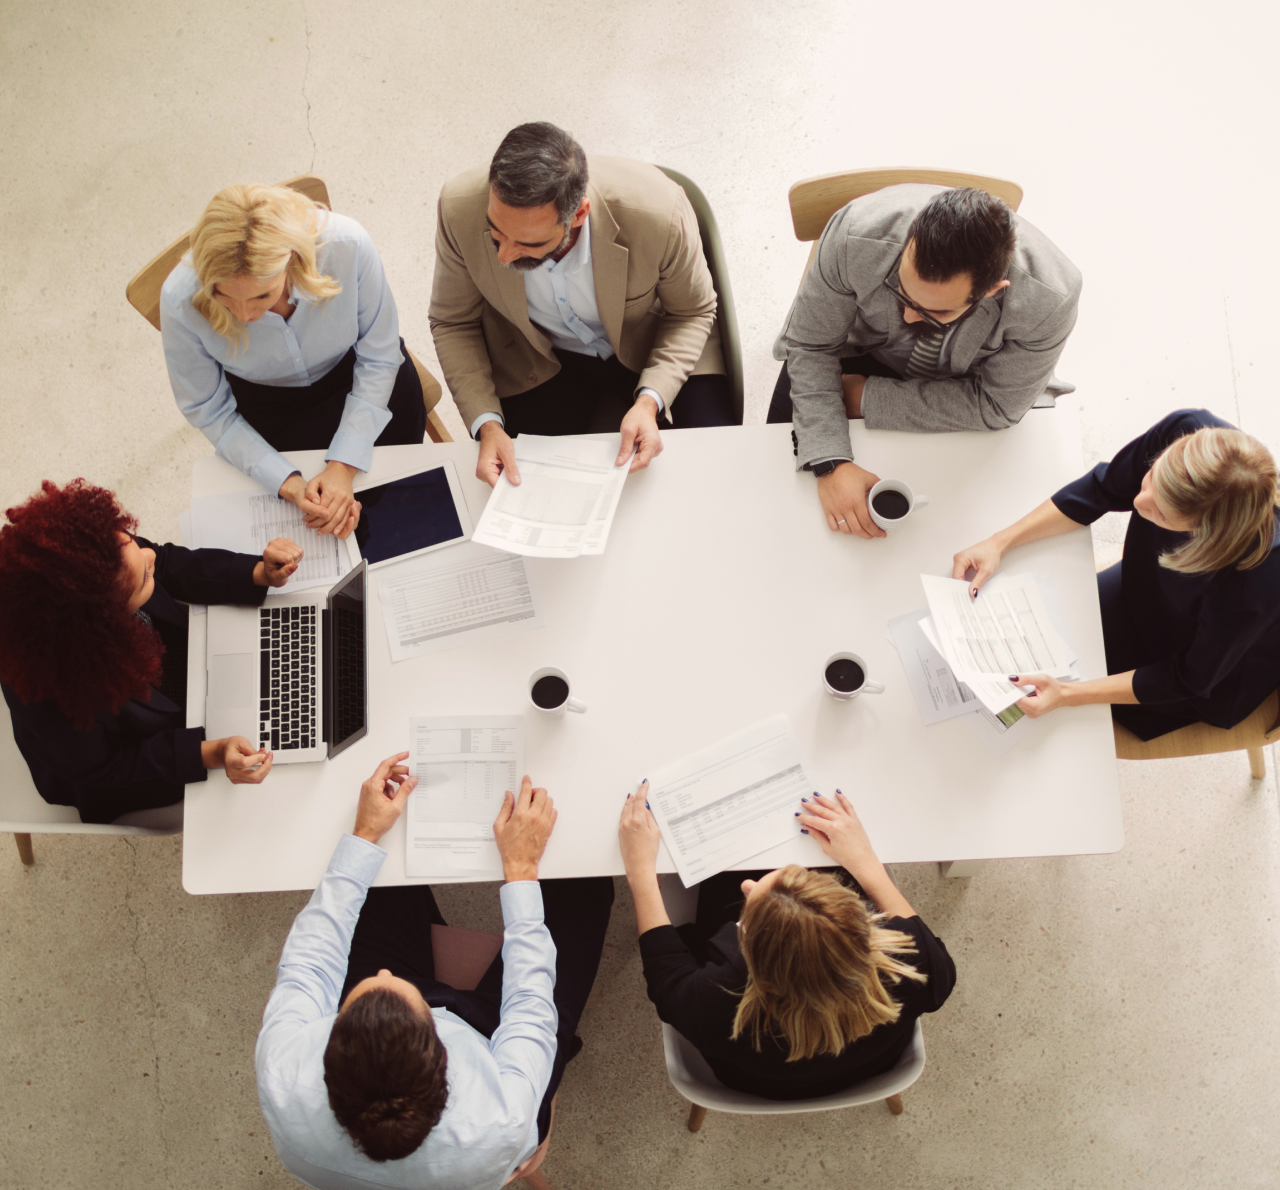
[827, 467]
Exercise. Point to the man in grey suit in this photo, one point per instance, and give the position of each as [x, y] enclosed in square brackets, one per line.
[925, 309]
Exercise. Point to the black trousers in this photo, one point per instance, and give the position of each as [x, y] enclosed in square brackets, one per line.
[858, 365]
[307, 418]
[592, 396]
[394, 931]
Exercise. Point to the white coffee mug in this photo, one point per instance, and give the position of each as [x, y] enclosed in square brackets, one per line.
[867, 687]
[569, 704]
[894, 485]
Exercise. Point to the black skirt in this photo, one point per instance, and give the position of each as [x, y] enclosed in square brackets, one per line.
[307, 418]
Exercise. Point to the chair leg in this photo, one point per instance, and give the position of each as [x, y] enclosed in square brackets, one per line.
[24, 849]
[696, 1116]
[1257, 763]
[894, 1104]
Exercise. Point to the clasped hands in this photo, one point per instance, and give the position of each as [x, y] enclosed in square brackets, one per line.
[639, 436]
[326, 500]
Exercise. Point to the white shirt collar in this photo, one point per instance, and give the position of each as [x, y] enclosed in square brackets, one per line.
[578, 257]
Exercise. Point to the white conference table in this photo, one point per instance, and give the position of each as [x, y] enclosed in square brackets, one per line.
[719, 598]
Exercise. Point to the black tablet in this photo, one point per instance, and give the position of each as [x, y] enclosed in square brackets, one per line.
[410, 515]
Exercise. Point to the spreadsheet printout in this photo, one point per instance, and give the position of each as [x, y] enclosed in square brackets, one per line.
[453, 597]
[727, 802]
[464, 766]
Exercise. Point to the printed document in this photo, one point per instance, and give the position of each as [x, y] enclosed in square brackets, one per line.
[247, 521]
[453, 597]
[938, 694]
[730, 801]
[569, 490]
[1006, 630]
[464, 766]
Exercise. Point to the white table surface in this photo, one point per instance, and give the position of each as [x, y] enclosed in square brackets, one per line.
[719, 598]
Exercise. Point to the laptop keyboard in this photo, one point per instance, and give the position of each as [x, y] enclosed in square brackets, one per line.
[289, 710]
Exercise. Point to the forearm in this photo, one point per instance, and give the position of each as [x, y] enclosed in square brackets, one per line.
[1043, 521]
[651, 911]
[878, 885]
[1114, 688]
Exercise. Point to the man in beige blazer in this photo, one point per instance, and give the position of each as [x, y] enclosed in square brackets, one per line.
[572, 297]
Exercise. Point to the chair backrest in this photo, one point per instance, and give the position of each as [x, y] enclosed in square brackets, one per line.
[24, 811]
[726, 314]
[692, 1078]
[143, 291]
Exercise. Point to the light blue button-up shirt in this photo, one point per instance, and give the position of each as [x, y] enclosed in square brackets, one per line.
[561, 295]
[496, 1085]
[290, 354]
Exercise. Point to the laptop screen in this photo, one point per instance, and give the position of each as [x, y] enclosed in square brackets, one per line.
[406, 516]
[345, 663]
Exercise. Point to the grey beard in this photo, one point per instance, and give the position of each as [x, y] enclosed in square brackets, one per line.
[526, 264]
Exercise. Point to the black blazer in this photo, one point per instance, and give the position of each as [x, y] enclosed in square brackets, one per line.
[1207, 646]
[700, 1001]
[144, 755]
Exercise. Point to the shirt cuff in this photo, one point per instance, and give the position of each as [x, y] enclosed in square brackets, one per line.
[271, 471]
[357, 859]
[521, 901]
[357, 432]
[648, 392]
[484, 417]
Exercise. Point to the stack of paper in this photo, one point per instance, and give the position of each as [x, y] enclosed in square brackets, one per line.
[1006, 630]
[564, 506]
[731, 801]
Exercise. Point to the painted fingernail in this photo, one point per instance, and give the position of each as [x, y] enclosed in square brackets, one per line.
[974, 593]
[797, 813]
[647, 806]
[839, 790]
[803, 831]
[804, 799]
[1013, 677]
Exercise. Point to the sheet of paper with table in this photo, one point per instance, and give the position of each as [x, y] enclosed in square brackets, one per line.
[730, 801]
[246, 521]
[464, 765]
[569, 490]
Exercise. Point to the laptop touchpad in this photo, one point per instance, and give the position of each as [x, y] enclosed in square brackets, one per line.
[231, 681]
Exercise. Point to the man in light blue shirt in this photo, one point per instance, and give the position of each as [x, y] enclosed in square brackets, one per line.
[370, 1072]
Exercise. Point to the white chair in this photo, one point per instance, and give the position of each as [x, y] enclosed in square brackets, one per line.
[692, 1078]
[25, 813]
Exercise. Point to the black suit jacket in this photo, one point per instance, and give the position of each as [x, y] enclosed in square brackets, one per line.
[144, 755]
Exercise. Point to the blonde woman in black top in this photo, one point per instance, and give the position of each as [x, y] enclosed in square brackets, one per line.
[789, 984]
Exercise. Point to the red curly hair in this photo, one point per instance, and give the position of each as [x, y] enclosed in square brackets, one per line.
[65, 629]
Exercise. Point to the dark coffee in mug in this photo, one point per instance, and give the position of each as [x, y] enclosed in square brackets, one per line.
[845, 675]
[891, 505]
[550, 692]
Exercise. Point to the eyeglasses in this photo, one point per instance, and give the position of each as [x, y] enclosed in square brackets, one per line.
[905, 301]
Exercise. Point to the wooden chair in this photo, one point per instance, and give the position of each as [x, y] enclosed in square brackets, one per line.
[461, 958]
[143, 293]
[726, 313]
[1199, 739]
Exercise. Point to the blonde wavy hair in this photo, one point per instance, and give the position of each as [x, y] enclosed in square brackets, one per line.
[817, 962]
[255, 231]
[1224, 481]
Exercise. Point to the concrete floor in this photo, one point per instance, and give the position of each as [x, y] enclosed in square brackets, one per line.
[1116, 1017]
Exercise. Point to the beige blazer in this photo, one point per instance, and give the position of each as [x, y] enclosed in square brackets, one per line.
[653, 290]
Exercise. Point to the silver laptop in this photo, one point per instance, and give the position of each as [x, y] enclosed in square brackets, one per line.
[292, 675]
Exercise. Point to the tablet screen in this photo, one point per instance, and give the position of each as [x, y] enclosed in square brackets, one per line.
[406, 516]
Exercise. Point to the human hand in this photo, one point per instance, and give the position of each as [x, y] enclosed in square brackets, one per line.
[331, 493]
[980, 561]
[1049, 694]
[497, 455]
[638, 834]
[244, 764]
[522, 829]
[853, 386]
[279, 560]
[382, 798]
[843, 494]
[640, 433]
[839, 832]
[294, 489]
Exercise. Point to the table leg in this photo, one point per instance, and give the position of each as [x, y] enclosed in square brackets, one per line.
[961, 868]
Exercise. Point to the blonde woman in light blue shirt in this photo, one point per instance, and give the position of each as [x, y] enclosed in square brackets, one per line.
[280, 333]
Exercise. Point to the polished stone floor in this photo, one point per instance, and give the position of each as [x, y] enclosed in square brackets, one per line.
[1116, 1020]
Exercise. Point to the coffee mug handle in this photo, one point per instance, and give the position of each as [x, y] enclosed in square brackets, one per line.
[574, 705]
[920, 502]
[872, 688]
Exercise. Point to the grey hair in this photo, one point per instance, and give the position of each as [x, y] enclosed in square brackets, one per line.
[537, 164]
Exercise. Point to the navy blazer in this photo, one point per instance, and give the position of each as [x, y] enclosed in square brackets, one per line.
[142, 756]
[1209, 643]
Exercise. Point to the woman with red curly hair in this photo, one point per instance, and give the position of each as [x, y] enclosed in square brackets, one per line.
[93, 651]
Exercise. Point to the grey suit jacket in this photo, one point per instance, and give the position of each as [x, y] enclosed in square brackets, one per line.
[1006, 346]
